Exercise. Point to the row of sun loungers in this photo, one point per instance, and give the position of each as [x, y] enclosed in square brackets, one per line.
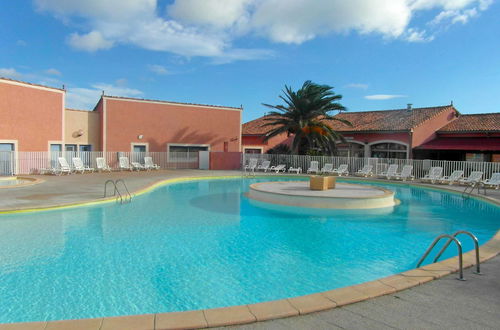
[102, 166]
[435, 174]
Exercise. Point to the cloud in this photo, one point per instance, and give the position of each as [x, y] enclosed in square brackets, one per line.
[121, 82]
[158, 69]
[211, 28]
[86, 98]
[90, 42]
[357, 85]
[10, 73]
[383, 96]
[53, 72]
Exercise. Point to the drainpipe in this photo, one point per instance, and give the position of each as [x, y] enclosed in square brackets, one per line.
[410, 145]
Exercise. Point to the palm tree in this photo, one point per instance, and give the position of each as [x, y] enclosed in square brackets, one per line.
[305, 115]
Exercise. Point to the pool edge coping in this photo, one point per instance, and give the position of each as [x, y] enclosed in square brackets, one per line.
[269, 310]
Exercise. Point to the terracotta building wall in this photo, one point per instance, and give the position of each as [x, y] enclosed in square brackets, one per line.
[160, 123]
[30, 114]
[427, 130]
[257, 141]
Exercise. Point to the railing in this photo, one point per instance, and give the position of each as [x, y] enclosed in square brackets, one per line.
[420, 167]
[24, 162]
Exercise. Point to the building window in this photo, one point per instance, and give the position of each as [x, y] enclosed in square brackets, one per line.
[7, 159]
[474, 157]
[253, 151]
[70, 147]
[388, 150]
[351, 150]
[185, 152]
[55, 153]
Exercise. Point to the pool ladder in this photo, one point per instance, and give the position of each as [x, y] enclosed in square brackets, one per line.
[470, 189]
[116, 192]
[453, 238]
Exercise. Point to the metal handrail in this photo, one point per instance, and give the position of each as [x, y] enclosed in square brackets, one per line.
[126, 189]
[116, 191]
[476, 248]
[459, 247]
[474, 185]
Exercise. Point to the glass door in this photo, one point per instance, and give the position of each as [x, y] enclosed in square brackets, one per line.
[7, 164]
[138, 154]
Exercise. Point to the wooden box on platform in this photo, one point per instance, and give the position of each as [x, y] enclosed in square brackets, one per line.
[331, 182]
[318, 182]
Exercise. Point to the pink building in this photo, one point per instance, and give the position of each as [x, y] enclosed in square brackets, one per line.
[34, 118]
[401, 133]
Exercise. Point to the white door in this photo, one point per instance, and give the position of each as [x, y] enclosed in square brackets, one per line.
[204, 160]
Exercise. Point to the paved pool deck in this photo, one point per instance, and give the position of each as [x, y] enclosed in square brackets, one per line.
[442, 303]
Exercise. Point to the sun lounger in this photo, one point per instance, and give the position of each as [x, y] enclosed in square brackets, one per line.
[365, 171]
[79, 167]
[405, 173]
[264, 166]
[63, 166]
[435, 174]
[327, 168]
[278, 168]
[101, 164]
[251, 166]
[125, 164]
[392, 172]
[341, 170]
[474, 177]
[149, 165]
[454, 177]
[297, 170]
[313, 167]
[493, 182]
[137, 166]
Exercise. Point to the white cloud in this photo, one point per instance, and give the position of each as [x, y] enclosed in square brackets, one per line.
[383, 96]
[89, 42]
[158, 69]
[357, 85]
[209, 28]
[53, 72]
[86, 98]
[10, 73]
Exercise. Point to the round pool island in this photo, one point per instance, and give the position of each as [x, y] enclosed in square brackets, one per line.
[344, 196]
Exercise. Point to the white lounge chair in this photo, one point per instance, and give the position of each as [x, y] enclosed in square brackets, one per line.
[392, 172]
[149, 165]
[327, 168]
[435, 174]
[264, 166]
[313, 167]
[251, 166]
[125, 164]
[137, 166]
[63, 166]
[474, 177]
[341, 170]
[79, 167]
[365, 171]
[452, 178]
[101, 164]
[278, 168]
[297, 170]
[405, 173]
[493, 182]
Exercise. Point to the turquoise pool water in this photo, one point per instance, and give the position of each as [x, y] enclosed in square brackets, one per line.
[203, 244]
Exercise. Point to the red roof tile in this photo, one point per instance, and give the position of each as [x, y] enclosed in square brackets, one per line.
[486, 122]
[382, 120]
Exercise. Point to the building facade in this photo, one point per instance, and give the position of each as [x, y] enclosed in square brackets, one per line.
[419, 133]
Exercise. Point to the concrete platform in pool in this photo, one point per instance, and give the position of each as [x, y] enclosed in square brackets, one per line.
[344, 196]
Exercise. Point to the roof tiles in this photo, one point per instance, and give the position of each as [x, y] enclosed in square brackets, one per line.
[489, 122]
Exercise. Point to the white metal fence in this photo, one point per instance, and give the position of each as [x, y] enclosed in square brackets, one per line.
[420, 167]
[24, 162]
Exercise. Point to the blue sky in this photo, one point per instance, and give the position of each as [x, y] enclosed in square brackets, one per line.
[379, 54]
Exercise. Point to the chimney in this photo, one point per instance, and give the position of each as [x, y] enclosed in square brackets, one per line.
[409, 108]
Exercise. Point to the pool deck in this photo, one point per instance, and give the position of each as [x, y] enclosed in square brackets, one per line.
[442, 303]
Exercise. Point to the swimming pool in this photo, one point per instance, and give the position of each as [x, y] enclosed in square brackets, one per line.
[203, 244]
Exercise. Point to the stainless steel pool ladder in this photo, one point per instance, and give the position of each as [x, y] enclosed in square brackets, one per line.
[116, 191]
[469, 189]
[453, 238]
